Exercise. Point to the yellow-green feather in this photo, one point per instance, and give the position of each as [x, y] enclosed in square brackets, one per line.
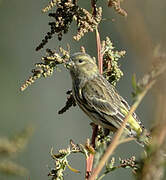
[133, 123]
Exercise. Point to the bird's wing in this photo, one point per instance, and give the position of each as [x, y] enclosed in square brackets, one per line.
[100, 95]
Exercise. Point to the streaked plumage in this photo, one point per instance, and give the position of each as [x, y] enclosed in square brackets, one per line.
[98, 98]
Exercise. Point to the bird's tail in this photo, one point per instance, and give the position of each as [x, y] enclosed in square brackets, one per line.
[144, 138]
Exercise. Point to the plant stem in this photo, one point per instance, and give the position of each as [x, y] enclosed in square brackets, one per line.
[100, 55]
[89, 160]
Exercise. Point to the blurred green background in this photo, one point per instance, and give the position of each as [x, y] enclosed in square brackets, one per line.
[22, 27]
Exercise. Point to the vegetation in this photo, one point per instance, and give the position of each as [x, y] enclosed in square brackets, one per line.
[98, 151]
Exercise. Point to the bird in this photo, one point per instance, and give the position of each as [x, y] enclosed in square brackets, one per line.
[100, 100]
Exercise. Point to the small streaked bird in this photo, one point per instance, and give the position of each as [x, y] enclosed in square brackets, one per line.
[99, 99]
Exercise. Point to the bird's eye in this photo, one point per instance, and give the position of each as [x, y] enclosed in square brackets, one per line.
[80, 60]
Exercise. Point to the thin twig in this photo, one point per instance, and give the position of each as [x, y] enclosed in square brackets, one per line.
[89, 160]
[127, 140]
[93, 4]
[115, 140]
[89, 165]
[99, 53]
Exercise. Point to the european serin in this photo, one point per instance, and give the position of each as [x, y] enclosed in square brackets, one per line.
[99, 99]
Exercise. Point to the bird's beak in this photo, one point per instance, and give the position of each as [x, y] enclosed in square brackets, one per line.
[69, 64]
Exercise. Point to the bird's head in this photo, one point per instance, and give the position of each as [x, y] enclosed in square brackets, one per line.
[81, 64]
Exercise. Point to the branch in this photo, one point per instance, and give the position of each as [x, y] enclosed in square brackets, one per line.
[99, 54]
[89, 160]
[115, 141]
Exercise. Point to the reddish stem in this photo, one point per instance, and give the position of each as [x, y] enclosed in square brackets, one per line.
[100, 55]
[94, 134]
[89, 160]
[89, 164]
